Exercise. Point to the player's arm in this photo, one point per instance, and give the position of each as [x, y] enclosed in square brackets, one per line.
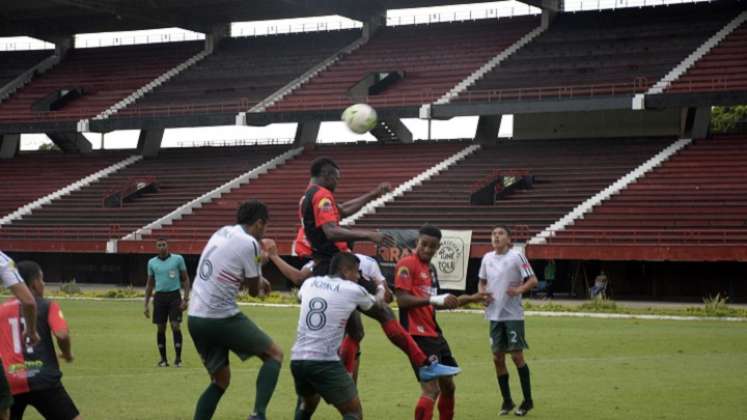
[530, 280]
[148, 293]
[528, 284]
[257, 286]
[28, 306]
[60, 330]
[337, 233]
[185, 283]
[352, 206]
[290, 272]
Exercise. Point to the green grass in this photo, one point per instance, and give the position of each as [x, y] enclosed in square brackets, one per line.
[581, 368]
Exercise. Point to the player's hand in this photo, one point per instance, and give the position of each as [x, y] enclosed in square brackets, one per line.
[31, 338]
[270, 247]
[382, 239]
[451, 302]
[485, 298]
[388, 295]
[384, 188]
[513, 291]
[184, 305]
[146, 312]
[264, 287]
[66, 357]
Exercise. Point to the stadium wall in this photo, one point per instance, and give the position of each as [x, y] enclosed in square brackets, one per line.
[598, 124]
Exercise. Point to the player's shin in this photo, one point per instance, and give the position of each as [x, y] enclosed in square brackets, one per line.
[208, 402]
[267, 379]
[400, 338]
[424, 409]
[446, 407]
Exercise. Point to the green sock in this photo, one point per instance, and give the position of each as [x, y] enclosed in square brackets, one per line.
[300, 414]
[267, 378]
[208, 402]
[526, 387]
[503, 385]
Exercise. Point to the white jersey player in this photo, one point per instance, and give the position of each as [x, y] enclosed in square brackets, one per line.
[231, 259]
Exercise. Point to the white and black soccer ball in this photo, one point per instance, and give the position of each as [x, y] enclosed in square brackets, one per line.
[360, 118]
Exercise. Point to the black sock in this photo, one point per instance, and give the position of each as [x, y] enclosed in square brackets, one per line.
[503, 385]
[178, 344]
[526, 387]
[161, 340]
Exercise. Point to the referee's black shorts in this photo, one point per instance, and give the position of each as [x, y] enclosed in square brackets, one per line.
[167, 307]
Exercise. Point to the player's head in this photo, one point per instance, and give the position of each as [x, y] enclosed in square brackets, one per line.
[253, 215]
[500, 237]
[325, 172]
[345, 265]
[162, 245]
[429, 240]
[32, 275]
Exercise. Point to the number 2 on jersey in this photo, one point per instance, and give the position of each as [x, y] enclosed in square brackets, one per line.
[316, 319]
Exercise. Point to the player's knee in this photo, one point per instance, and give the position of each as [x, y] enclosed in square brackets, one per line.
[274, 353]
[175, 326]
[431, 389]
[447, 386]
[518, 358]
[499, 359]
[357, 335]
[222, 378]
[161, 328]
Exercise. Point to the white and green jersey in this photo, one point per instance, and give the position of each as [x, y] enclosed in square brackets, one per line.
[502, 271]
[326, 305]
[8, 273]
[368, 267]
[230, 256]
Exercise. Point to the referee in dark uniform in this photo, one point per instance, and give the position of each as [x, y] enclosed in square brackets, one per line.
[164, 273]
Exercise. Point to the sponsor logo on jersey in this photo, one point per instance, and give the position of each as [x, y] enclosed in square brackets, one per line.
[403, 272]
[325, 204]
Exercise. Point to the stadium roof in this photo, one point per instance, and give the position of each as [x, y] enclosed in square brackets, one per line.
[46, 19]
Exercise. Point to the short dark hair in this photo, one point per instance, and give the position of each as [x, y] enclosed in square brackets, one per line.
[342, 261]
[430, 230]
[29, 270]
[505, 228]
[162, 239]
[250, 211]
[320, 163]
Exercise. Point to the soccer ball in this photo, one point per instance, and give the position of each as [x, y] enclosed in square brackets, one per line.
[360, 118]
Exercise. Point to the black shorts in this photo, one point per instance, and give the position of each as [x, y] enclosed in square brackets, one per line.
[167, 306]
[435, 348]
[52, 404]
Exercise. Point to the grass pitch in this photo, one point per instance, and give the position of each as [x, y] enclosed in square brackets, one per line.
[581, 368]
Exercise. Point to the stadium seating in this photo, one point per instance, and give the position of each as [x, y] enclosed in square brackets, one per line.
[600, 53]
[566, 172]
[179, 174]
[724, 68]
[363, 167]
[14, 63]
[30, 176]
[105, 75]
[697, 197]
[242, 72]
[419, 51]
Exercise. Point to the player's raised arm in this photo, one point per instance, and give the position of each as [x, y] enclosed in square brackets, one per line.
[290, 272]
[61, 332]
[350, 207]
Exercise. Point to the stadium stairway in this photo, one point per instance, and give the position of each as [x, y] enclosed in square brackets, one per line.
[566, 172]
[363, 167]
[103, 76]
[17, 68]
[31, 180]
[693, 207]
[418, 52]
[603, 53]
[243, 72]
[723, 67]
[180, 175]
